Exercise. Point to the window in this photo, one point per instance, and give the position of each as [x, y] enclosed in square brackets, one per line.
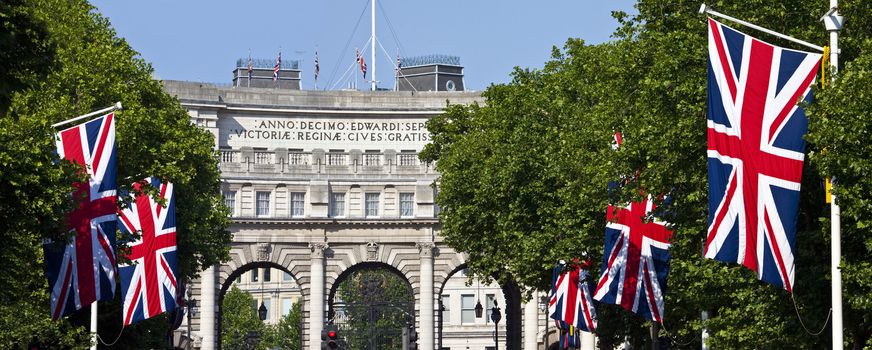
[287, 277]
[489, 306]
[267, 276]
[407, 204]
[254, 305]
[371, 204]
[262, 208]
[446, 309]
[230, 201]
[337, 205]
[254, 275]
[298, 201]
[467, 308]
[286, 306]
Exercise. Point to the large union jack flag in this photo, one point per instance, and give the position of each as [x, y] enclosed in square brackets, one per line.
[83, 270]
[636, 261]
[148, 286]
[571, 298]
[755, 150]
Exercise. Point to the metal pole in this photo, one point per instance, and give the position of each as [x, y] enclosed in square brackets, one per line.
[706, 9]
[116, 106]
[833, 23]
[94, 325]
[835, 219]
[372, 48]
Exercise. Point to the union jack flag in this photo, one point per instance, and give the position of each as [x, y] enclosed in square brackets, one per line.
[277, 67]
[148, 286]
[755, 151]
[636, 261]
[362, 63]
[83, 270]
[571, 297]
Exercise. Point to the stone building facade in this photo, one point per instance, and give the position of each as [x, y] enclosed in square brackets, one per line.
[323, 182]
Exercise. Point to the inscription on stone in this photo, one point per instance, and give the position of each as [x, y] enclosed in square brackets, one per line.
[404, 133]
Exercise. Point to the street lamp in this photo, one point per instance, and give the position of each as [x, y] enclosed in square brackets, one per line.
[261, 311]
[496, 316]
[478, 307]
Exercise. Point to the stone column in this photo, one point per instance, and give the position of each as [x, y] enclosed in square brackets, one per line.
[427, 337]
[316, 295]
[208, 309]
[531, 322]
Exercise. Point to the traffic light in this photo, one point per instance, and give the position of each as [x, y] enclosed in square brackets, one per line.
[413, 338]
[330, 337]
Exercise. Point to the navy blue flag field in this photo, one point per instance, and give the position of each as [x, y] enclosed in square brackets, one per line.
[755, 151]
[149, 284]
[82, 270]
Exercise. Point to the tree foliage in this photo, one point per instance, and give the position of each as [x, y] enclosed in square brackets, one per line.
[239, 318]
[61, 59]
[524, 176]
[376, 307]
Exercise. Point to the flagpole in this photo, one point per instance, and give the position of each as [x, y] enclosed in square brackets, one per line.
[114, 107]
[372, 47]
[705, 9]
[94, 325]
[833, 23]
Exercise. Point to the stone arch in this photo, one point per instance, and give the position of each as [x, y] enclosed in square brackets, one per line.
[359, 267]
[245, 257]
[512, 312]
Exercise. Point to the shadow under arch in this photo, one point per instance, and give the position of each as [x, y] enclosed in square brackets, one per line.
[512, 309]
[219, 319]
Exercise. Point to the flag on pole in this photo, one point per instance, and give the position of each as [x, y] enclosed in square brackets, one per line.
[362, 64]
[636, 260]
[571, 297]
[399, 65]
[250, 67]
[755, 150]
[277, 67]
[317, 69]
[636, 257]
[82, 270]
[148, 285]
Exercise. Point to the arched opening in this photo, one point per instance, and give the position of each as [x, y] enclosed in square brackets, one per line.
[457, 323]
[261, 303]
[371, 303]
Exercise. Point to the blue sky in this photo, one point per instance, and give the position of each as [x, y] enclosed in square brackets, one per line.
[200, 40]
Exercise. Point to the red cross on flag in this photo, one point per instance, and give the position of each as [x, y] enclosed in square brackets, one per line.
[148, 285]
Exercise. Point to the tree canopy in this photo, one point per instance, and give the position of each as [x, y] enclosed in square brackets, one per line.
[61, 59]
[524, 176]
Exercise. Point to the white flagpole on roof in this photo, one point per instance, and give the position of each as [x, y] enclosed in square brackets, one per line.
[114, 107]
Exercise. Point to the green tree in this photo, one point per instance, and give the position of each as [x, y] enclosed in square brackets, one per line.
[377, 304]
[840, 127]
[238, 318]
[524, 177]
[65, 60]
[287, 333]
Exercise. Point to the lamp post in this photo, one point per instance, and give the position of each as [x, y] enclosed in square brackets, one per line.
[261, 311]
[496, 316]
[478, 307]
